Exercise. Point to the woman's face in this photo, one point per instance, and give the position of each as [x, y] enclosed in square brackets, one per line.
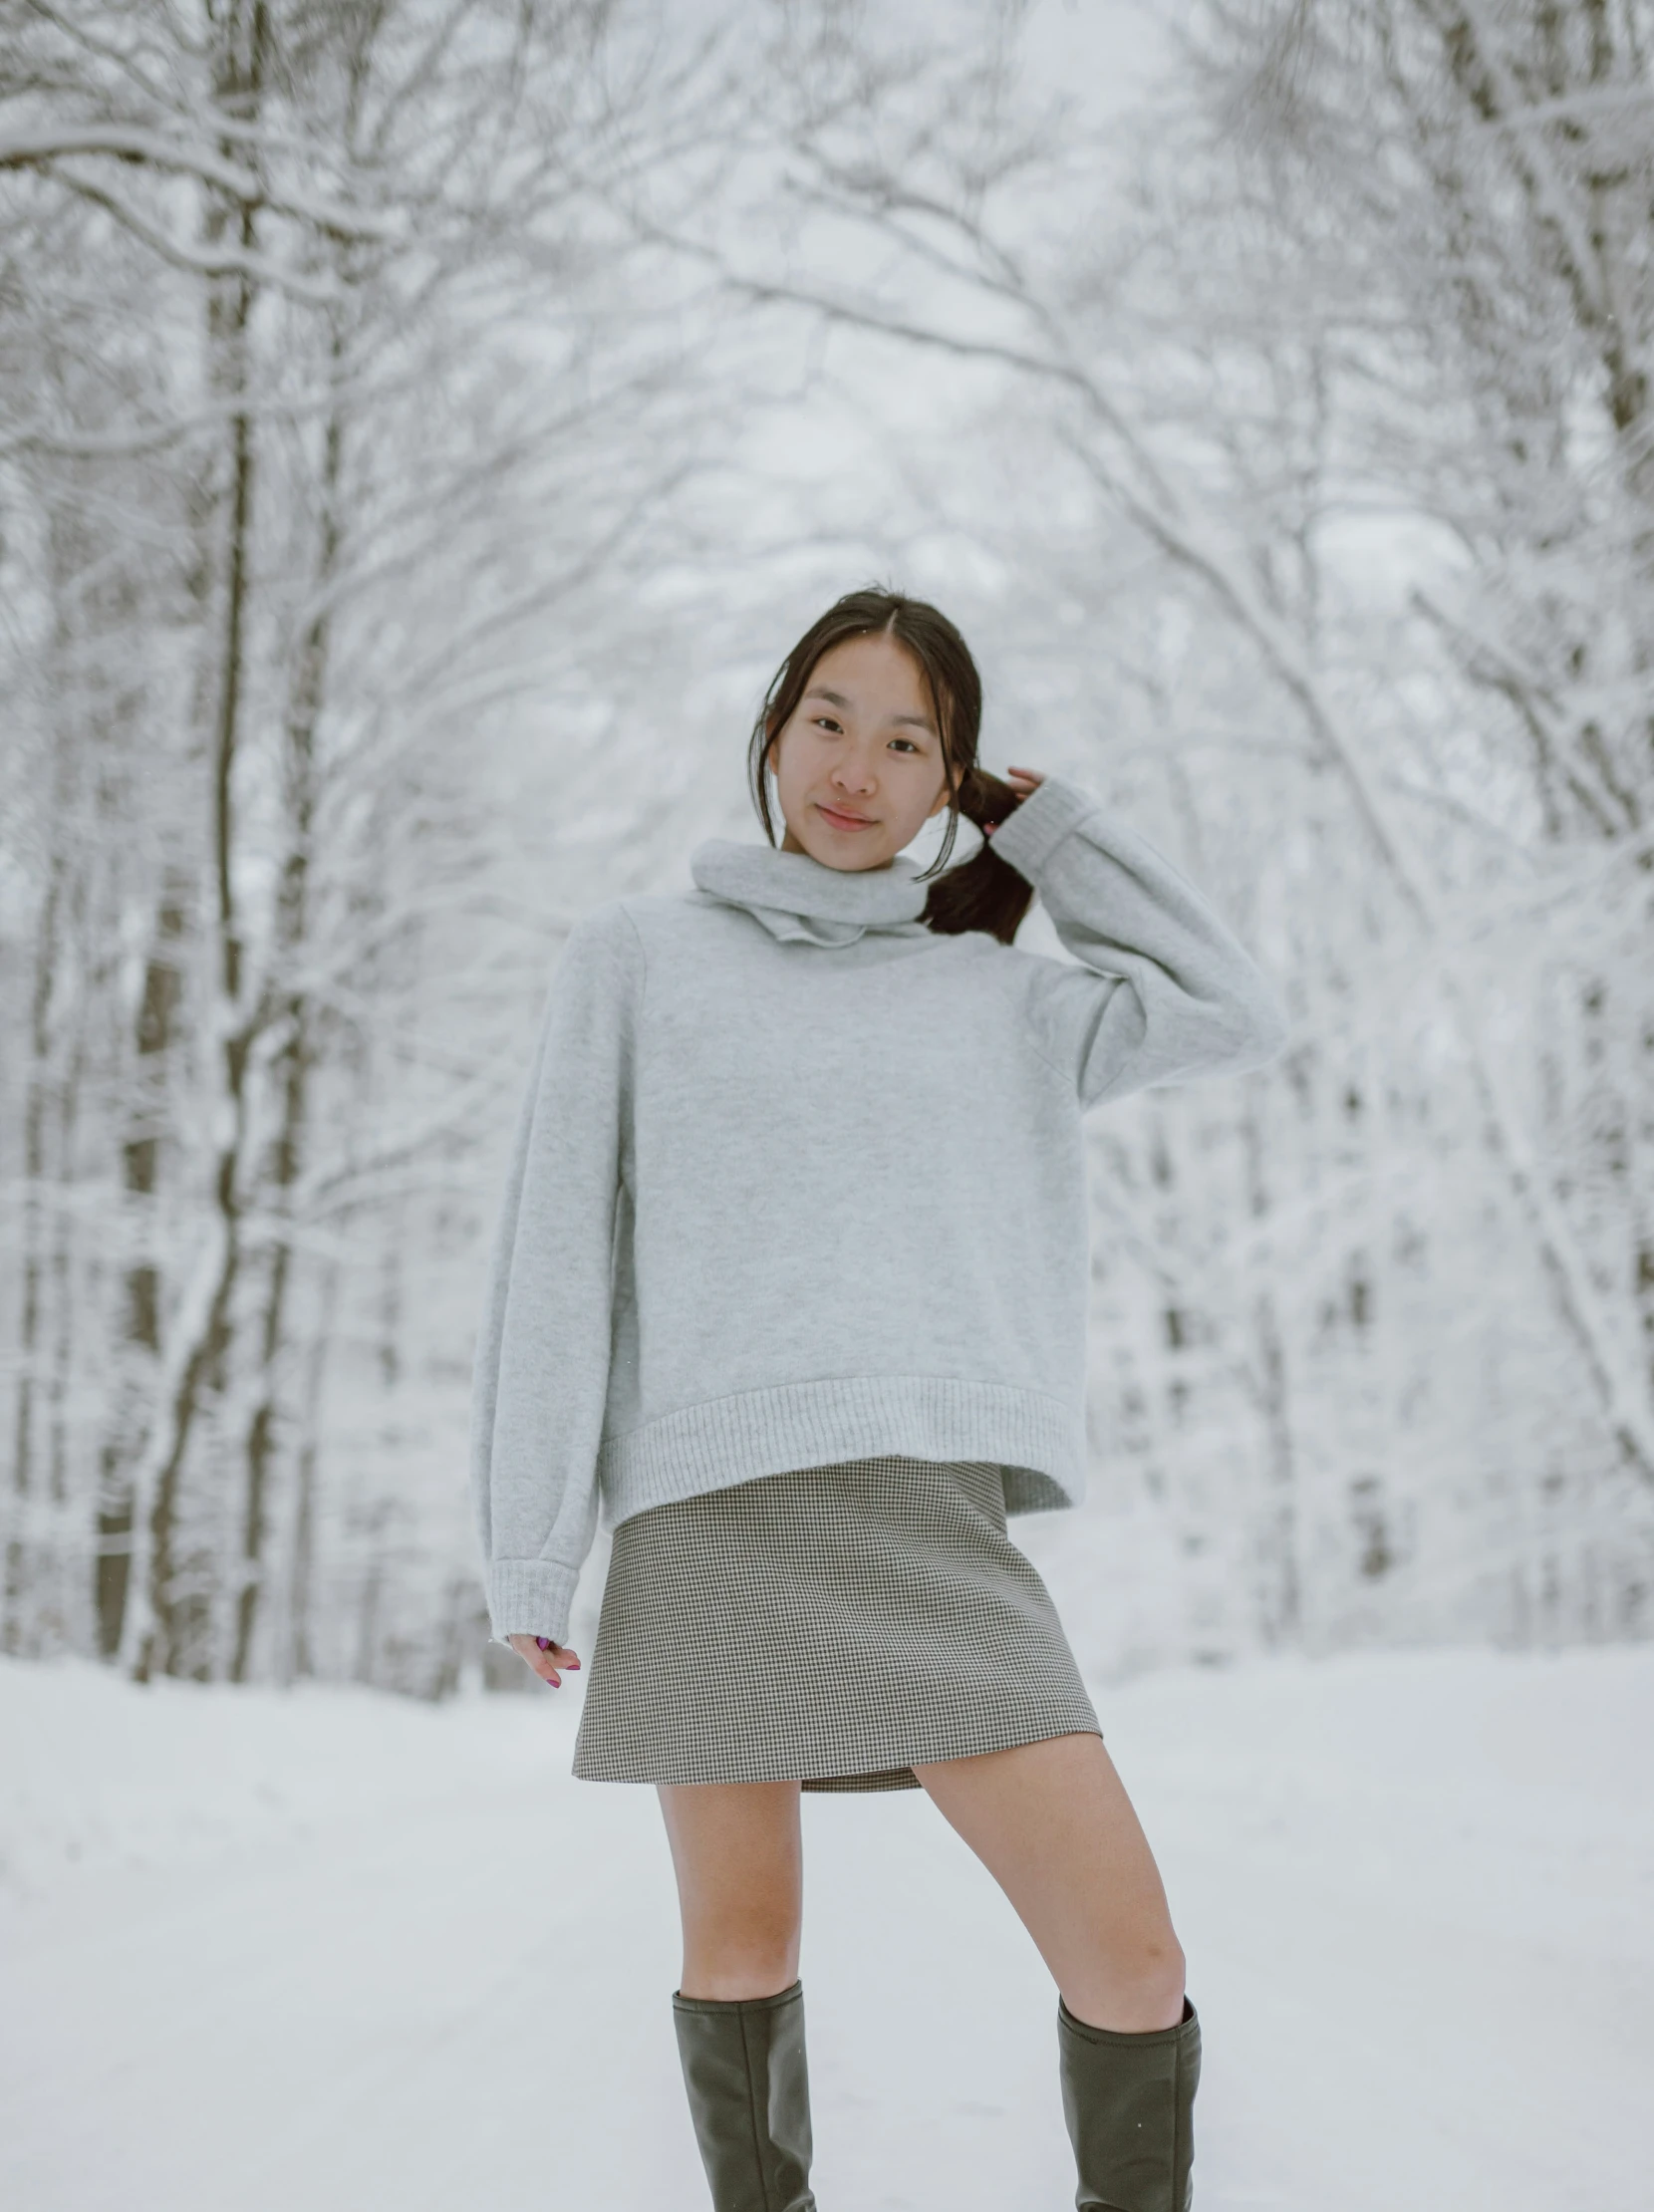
[858, 765]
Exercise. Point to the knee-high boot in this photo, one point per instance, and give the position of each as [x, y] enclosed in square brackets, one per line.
[1128, 2101]
[749, 2096]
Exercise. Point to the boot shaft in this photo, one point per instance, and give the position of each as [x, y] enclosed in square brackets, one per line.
[748, 2080]
[1128, 2101]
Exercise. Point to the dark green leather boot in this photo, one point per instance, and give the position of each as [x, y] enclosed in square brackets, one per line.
[749, 2096]
[1128, 2101]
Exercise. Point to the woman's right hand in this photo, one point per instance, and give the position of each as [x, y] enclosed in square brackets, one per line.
[544, 1657]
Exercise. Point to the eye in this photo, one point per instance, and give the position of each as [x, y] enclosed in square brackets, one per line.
[827, 721]
[908, 741]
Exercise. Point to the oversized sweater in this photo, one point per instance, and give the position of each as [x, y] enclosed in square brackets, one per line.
[797, 1181]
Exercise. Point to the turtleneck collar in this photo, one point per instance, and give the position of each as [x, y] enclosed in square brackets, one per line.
[795, 897]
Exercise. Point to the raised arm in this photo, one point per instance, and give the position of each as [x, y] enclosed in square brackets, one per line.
[1165, 989]
[541, 1374]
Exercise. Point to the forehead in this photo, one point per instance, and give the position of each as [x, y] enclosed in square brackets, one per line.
[873, 673]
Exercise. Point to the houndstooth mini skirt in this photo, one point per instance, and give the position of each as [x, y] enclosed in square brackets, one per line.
[834, 1625]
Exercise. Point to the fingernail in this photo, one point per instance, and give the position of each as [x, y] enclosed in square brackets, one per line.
[544, 1642]
[574, 1662]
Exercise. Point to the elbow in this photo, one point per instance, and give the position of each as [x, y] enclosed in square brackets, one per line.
[1256, 1024]
[1228, 1034]
[1235, 1028]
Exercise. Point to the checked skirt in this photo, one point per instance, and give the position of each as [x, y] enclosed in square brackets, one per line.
[833, 1626]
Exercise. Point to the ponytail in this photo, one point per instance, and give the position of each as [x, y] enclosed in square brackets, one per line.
[983, 892]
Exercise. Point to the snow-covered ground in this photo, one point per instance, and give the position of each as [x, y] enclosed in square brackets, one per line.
[333, 1952]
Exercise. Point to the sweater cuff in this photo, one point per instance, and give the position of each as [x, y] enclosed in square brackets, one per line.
[1028, 837]
[530, 1598]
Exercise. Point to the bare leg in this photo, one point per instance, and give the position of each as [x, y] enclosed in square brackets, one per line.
[1053, 1826]
[738, 1856]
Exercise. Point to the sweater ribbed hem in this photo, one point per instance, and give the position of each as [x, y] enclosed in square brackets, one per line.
[530, 1598]
[821, 1424]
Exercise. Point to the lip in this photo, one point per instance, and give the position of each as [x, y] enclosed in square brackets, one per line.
[835, 820]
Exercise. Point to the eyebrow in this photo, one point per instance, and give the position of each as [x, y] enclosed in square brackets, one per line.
[837, 698]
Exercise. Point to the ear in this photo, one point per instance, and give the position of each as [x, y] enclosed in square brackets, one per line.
[940, 802]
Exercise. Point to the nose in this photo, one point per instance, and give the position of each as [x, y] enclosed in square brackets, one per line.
[853, 771]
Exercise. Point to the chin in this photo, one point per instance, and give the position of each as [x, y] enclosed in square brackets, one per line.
[849, 851]
[850, 864]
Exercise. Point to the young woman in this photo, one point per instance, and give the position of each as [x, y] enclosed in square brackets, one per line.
[790, 1282]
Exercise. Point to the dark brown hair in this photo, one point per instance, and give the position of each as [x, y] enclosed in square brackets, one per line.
[984, 892]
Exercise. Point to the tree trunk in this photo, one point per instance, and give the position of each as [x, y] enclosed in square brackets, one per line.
[36, 1104]
[161, 1640]
[156, 1033]
[292, 928]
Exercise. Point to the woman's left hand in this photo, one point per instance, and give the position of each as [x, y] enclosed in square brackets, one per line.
[1023, 781]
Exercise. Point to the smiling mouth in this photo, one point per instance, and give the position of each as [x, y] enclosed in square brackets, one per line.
[843, 821]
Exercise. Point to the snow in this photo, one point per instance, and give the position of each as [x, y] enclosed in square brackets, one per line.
[326, 1948]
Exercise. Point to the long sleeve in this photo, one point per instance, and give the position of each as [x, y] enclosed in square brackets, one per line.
[541, 1372]
[1165, 990]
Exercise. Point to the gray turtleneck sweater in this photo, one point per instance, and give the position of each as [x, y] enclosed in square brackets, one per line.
[797, 1181]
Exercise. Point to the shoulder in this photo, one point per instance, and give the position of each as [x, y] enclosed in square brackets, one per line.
[636, 917]
[604, 932]
[671, 928]
[996, 965]
[977, 973]
[602, 953]
[630, 932]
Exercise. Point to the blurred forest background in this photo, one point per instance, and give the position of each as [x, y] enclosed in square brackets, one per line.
[425, 423]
